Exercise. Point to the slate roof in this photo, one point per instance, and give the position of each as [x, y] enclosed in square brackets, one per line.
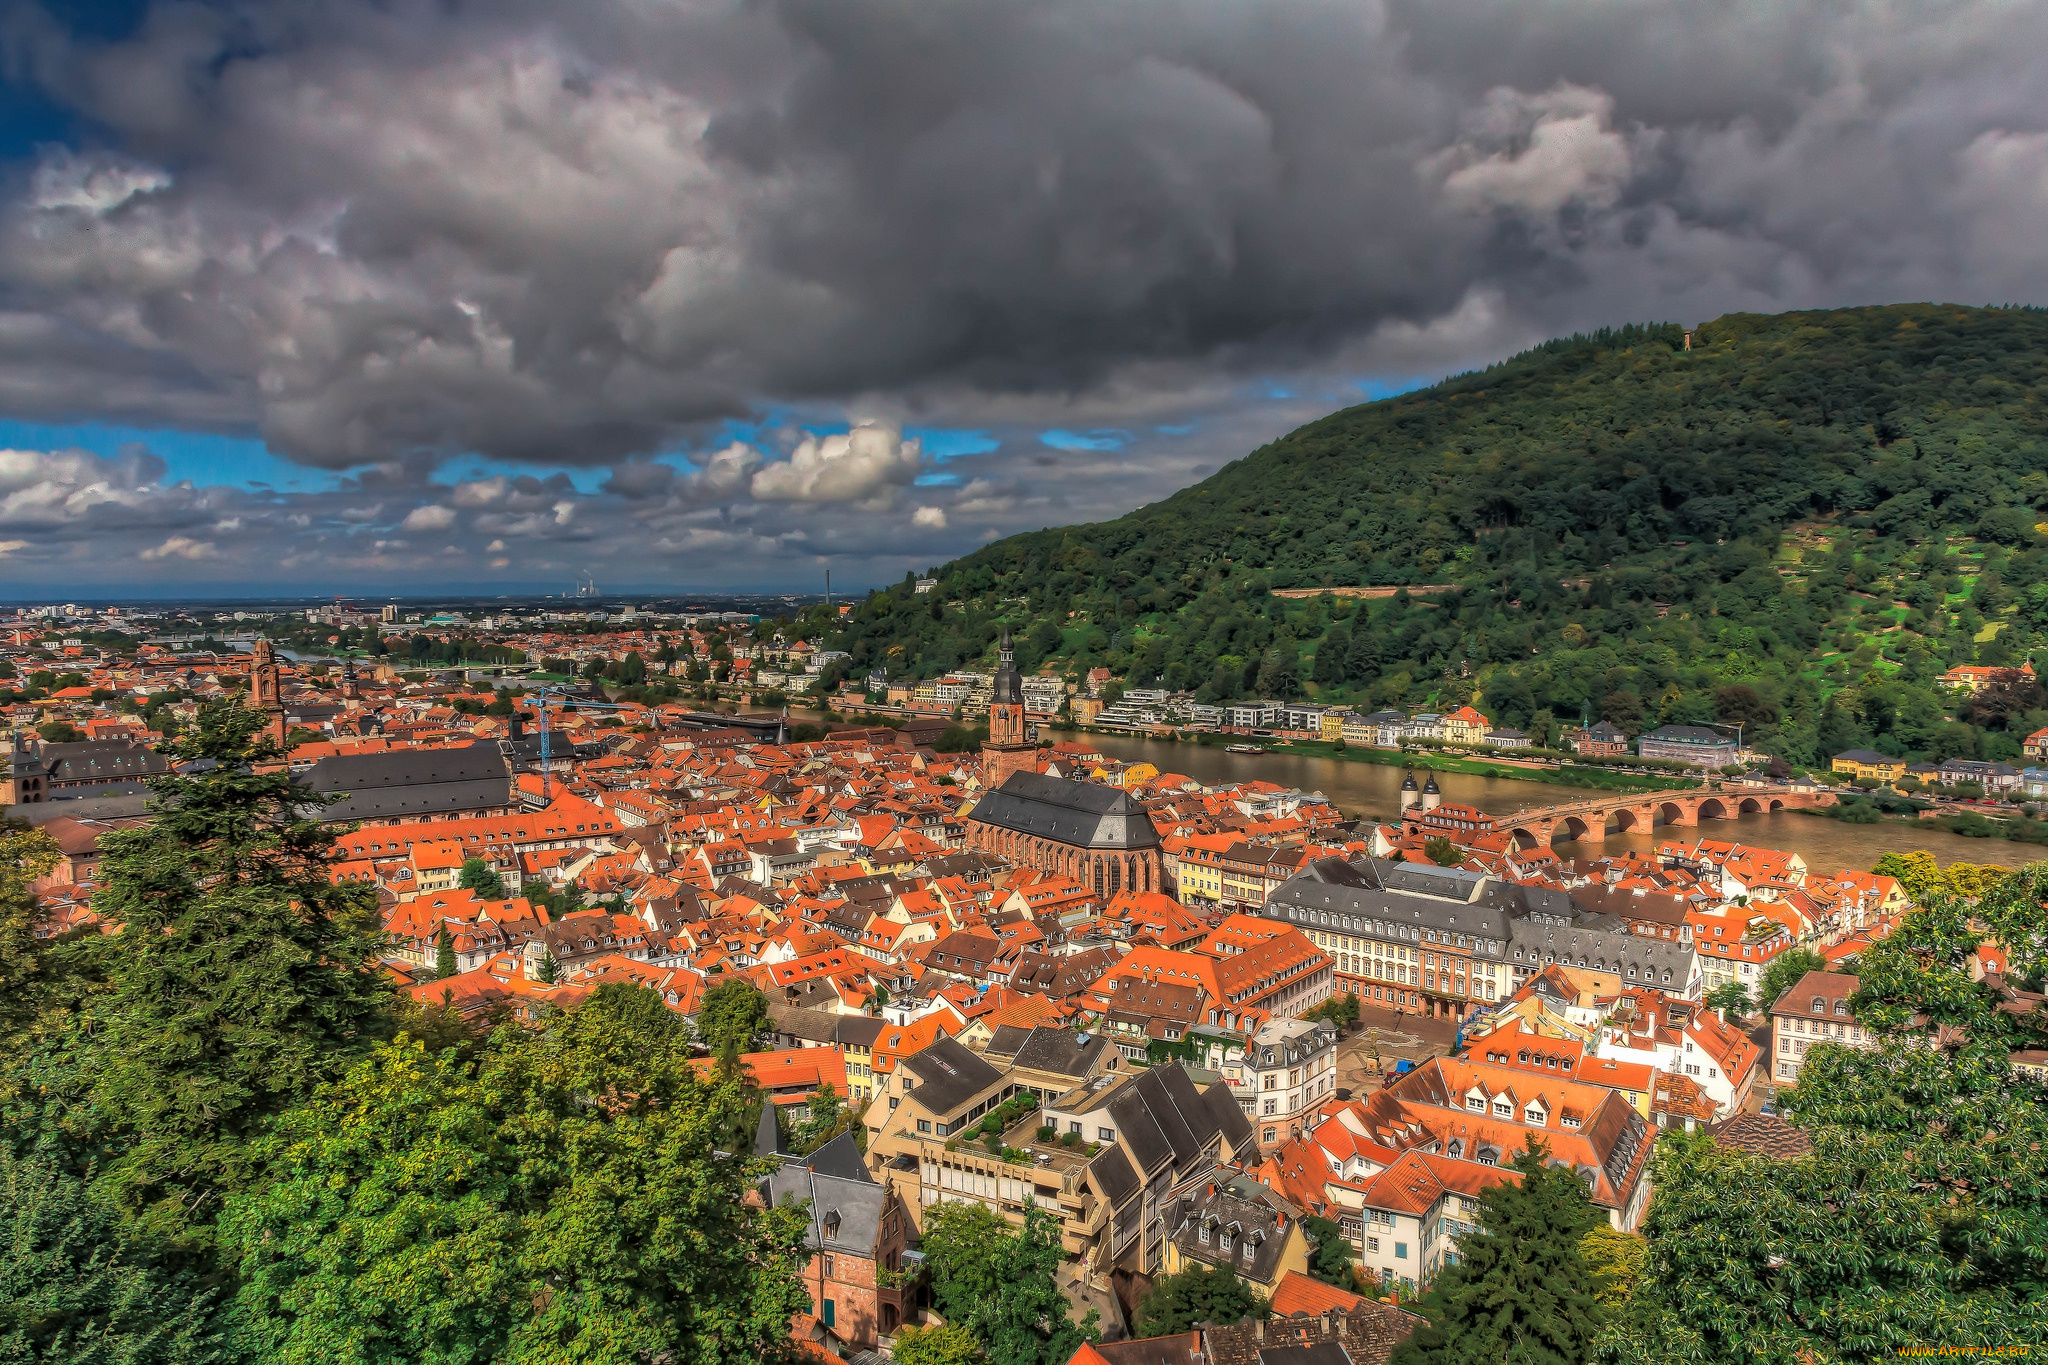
[412, 782]
[948, 1075]
[1162, 1118]
[1252, 1215]
[1314, 1353]
[1061, 1051]
[1005, 1040]
[1080, 814]
[101, 760]
[845, 1215]
[1114, 1176]
[841, 1158]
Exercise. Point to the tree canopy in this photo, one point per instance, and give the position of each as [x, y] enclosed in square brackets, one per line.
[242, 977]
[1001, 1283]
[1522, 1291]
[1199, 1294]
[731, 1015]
[558, 1199]
[1920, 1216]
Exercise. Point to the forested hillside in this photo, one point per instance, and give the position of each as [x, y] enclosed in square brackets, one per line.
[1799, 523]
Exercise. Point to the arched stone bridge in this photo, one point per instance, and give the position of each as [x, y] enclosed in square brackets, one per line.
[1590, 820]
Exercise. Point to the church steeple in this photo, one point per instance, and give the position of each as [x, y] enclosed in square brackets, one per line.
[1008, 686]
[1009, 748]
[266, 693]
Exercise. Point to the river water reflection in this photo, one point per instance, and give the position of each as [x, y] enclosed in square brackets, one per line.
[1373, 789]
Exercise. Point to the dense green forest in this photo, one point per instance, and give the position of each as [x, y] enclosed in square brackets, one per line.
[1797, 524]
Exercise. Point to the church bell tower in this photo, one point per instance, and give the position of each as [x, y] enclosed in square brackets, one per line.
[265, 692]
[1009, 748]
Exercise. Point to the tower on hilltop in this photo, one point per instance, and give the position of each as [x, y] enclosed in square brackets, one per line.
[1009, 748]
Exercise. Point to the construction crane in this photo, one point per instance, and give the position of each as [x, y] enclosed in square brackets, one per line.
[540, 699]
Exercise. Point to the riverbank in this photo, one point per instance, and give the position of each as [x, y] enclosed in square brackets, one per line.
[1563, 775]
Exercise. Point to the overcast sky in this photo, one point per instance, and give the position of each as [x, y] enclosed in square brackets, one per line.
[346, 296]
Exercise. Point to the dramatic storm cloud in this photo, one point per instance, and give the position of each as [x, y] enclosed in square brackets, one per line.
[869, 281]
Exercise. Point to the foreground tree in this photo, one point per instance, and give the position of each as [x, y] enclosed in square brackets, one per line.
[1617, 1260]
[943, 1345]
[1732, 996]
[26, 964]
[77, 1288]
[1920, 1216]
[1522, 1292]
[1784, 972]
[1002, 1284]
[1331, 1258]
[241, 979]
[480, 877]
[560, 1199]
[1181, 1301]
[731, 1014]
[830, 1116]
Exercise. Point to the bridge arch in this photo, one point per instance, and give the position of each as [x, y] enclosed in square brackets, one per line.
[1526, 838]
[1570, 828]
[1751, 806]
[1671, 813]
[1777, 804]
[1626, 819]
[1713, 808]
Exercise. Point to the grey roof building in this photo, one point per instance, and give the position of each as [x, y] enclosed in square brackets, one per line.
[1226, 1220]
[1081, 814]
[1095, 834]
[945, 1074]
[1602, 943]
[855, 1228]
[414, 784]
[1405, 923]
[1155, 1129]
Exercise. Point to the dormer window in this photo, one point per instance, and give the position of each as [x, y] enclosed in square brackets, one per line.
[1476, 1103]
[1223, 1243]
[1820, 1006]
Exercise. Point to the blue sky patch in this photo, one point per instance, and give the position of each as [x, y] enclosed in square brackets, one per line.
[1102, 438]
[202, 457]
[950, 443]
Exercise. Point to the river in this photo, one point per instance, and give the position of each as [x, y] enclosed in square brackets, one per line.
[1374, 789]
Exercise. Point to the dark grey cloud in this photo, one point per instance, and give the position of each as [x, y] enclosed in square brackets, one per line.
[382, 236]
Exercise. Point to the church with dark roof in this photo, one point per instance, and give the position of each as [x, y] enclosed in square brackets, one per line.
[1094, 834]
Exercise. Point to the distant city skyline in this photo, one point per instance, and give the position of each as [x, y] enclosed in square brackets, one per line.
[363, 299]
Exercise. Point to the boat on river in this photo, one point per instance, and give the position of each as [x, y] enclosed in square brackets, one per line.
[1244, 749]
